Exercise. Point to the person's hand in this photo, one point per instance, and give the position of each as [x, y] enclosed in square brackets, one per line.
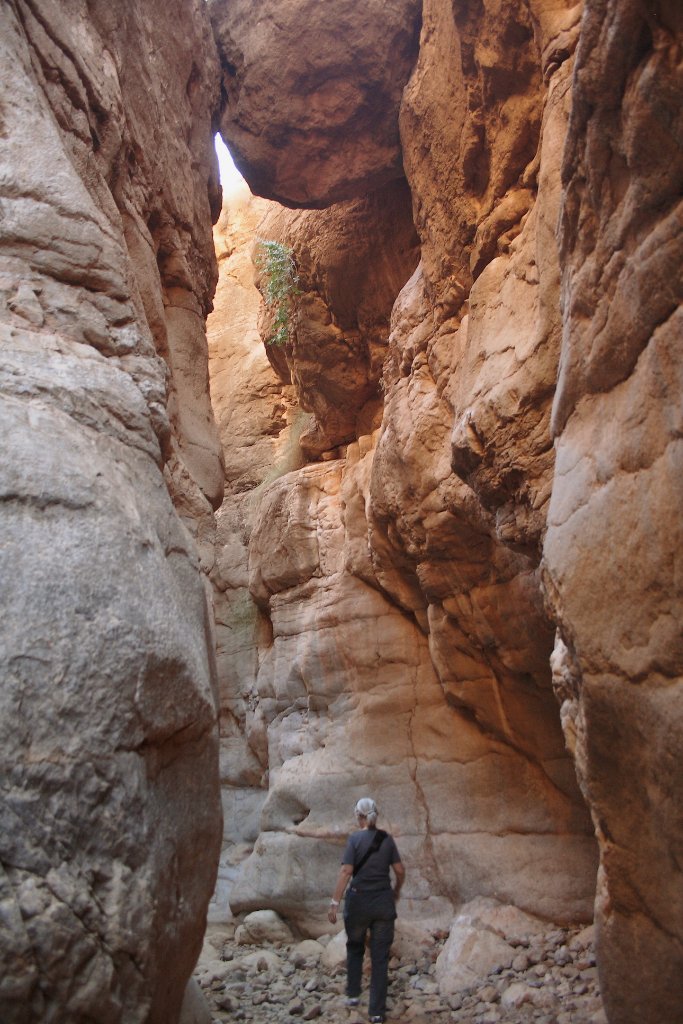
[396, 892]
[332, 914]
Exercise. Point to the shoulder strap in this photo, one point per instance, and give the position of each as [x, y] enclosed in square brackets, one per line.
[374, 846]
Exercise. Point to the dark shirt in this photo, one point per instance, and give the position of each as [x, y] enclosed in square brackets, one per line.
[374, 875]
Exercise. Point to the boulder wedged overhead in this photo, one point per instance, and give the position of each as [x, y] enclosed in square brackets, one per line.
[311, 93]
[109, 774]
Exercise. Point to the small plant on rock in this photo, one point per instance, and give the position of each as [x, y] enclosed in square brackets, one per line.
[275, 261]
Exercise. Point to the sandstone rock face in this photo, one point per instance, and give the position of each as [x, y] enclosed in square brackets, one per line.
[311, 93]
[351, 260]
[614, 523]
[414, 582]
[259, 424]
[470, 127]
[407, 644]
[352, 703]
[110, 802]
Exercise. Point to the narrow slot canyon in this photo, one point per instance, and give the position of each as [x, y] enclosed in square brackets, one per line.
[360, 476]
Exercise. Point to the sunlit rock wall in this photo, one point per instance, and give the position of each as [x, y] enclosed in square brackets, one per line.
[518, 502]
[354, 704]
[428, 530]
[259, 423]
[108, 750]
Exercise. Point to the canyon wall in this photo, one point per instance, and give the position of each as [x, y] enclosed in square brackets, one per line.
[443, 565]
[515, 505]
[614, 524]
[406, 646]
[108, 748]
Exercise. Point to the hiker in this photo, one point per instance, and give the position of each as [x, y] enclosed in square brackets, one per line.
[370, 904]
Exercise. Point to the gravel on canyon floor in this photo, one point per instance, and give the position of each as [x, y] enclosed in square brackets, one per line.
[552, 980]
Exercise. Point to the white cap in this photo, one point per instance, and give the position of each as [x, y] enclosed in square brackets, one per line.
[367, 808]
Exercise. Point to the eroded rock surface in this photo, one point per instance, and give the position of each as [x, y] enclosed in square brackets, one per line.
[408, 646]
[108, 751]
[508, 334]
[614, 529]
[351, 260]
[260, 425]
[353, 703]
[311, 93]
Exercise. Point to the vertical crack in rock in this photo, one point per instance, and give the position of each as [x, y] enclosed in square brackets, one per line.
[436, 881]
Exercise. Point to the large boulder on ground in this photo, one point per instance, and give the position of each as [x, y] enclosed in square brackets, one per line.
[481, 942]
[263, 926]
[195, 1009]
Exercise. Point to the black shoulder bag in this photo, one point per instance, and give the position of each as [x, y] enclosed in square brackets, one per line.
[374, 846]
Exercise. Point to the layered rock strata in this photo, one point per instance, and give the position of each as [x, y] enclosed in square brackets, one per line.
[108, 750]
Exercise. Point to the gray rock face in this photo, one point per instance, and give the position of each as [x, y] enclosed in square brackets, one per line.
[109, 812]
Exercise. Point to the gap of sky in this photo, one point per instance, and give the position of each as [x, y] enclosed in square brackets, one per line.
[231, 179]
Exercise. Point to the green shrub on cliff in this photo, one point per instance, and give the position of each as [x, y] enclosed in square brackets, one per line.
[275, 261]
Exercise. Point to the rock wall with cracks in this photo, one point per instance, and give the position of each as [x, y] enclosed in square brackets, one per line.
[411, 580]
[612, 549]
[108, 748]
[401, 539]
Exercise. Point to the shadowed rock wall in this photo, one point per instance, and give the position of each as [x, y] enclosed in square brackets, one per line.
[108, 752]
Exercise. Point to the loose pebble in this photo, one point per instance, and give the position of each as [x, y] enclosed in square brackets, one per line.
[552, 980]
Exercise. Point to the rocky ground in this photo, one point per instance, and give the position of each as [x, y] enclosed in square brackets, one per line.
[552, 980]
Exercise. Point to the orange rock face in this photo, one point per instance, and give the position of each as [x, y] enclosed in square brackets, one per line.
[441, 524]
[508, 503]
[614, 523]
[408, 646]
[342, 312]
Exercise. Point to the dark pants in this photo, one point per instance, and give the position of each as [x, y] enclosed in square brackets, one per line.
[375, 912]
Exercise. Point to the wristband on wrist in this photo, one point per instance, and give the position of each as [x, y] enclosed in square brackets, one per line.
[334, 903]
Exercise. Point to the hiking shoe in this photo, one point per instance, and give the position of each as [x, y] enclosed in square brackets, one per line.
[352, 1001]
[377, 1020]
